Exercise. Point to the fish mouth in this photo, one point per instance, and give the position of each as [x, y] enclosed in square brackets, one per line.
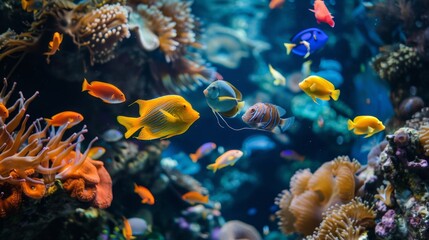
[205, 92]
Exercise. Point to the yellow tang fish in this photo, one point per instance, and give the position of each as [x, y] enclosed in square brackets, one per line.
[368, 125]
[318, 87]
[162, 117]
[279, 79]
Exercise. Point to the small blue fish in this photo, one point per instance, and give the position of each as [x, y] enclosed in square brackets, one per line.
[257, 143]
[112, 135]
[307, 42]
[291, 155]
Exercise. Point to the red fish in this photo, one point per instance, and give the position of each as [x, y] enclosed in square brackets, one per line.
[145, 194]
[322, 13]
[54, 45]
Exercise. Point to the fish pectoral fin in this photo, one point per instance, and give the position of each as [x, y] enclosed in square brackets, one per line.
[168, 116]
[225, 98]
[313, 87]
[312, 10]
[112, 97]
[370, 130]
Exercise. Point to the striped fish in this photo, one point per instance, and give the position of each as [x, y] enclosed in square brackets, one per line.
[161, 117]
[266, 116]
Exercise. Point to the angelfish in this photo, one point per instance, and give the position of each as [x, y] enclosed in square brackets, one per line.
[224, 99]
[266, 116]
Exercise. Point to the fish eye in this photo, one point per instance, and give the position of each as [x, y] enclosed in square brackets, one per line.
[184, 106]
[252, 111]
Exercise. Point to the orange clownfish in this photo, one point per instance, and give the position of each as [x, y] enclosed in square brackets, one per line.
[73, 118]
[276, 4]
[127, 232]
[54, 45]
[4, 112]
[107, 92]
[194, 197]
[145, 194]
[322, 13]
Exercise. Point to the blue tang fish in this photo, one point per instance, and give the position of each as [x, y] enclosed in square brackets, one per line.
[307, 42]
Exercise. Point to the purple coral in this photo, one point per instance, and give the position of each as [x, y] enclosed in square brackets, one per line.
[387, 225]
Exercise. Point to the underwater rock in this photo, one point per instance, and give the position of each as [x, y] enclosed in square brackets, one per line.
[235, 230]
[409, 107]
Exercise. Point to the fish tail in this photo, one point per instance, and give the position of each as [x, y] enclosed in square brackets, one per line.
[350, 124]
[194, 157]
[212, 167]
[48, 121]
[131, 124]
[335, 94]
[85, 85]
[286, 123]
[289, 47]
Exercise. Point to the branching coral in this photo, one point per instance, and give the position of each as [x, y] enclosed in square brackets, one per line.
[31, 160]
[312, 194]
[345, 222]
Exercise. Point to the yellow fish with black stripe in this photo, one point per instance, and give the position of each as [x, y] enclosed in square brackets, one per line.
[161, 117]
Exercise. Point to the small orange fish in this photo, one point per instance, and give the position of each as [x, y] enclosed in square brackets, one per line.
[127, 232]
[54, 45]
[322, 13]
[194, 197]
[276, 4]
[145, 194]
[4, 112]
[73, 118]
[107, 92]
[31, 5]
[96, 152]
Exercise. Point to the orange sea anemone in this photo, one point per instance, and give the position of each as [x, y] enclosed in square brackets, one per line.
[345, 222]
[310, 195]
[424, 138]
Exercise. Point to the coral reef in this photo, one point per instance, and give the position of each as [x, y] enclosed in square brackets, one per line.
[234, 230]
[310, 195]
[32, 159]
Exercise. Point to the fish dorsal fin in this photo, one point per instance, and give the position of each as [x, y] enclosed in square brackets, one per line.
[226, 98]
[237, 93]
[313, 87]
[141, 104]
[168, 116]
[359, 118]
[281, 110]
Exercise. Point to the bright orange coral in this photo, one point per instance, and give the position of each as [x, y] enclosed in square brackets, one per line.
[310, 195]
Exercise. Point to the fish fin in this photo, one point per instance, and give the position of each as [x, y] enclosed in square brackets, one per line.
[281, 110]
[51, 44]
[238, 94]
[312, 10]
[370, 129]
[307, 54]
[335, 94]
[193, 157]
[314, 99]
[286, 123]
[168, 116]
[112, 97]
[212, 167]
[141, 104]
[313, 87]
[131, 124]
[369, 135]
[146, 134]
[358, 131]
[350, 124]
[85, 85]
[231, 113]
[48, 121]
[240, 106]
[225, 98]
[289, 47]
